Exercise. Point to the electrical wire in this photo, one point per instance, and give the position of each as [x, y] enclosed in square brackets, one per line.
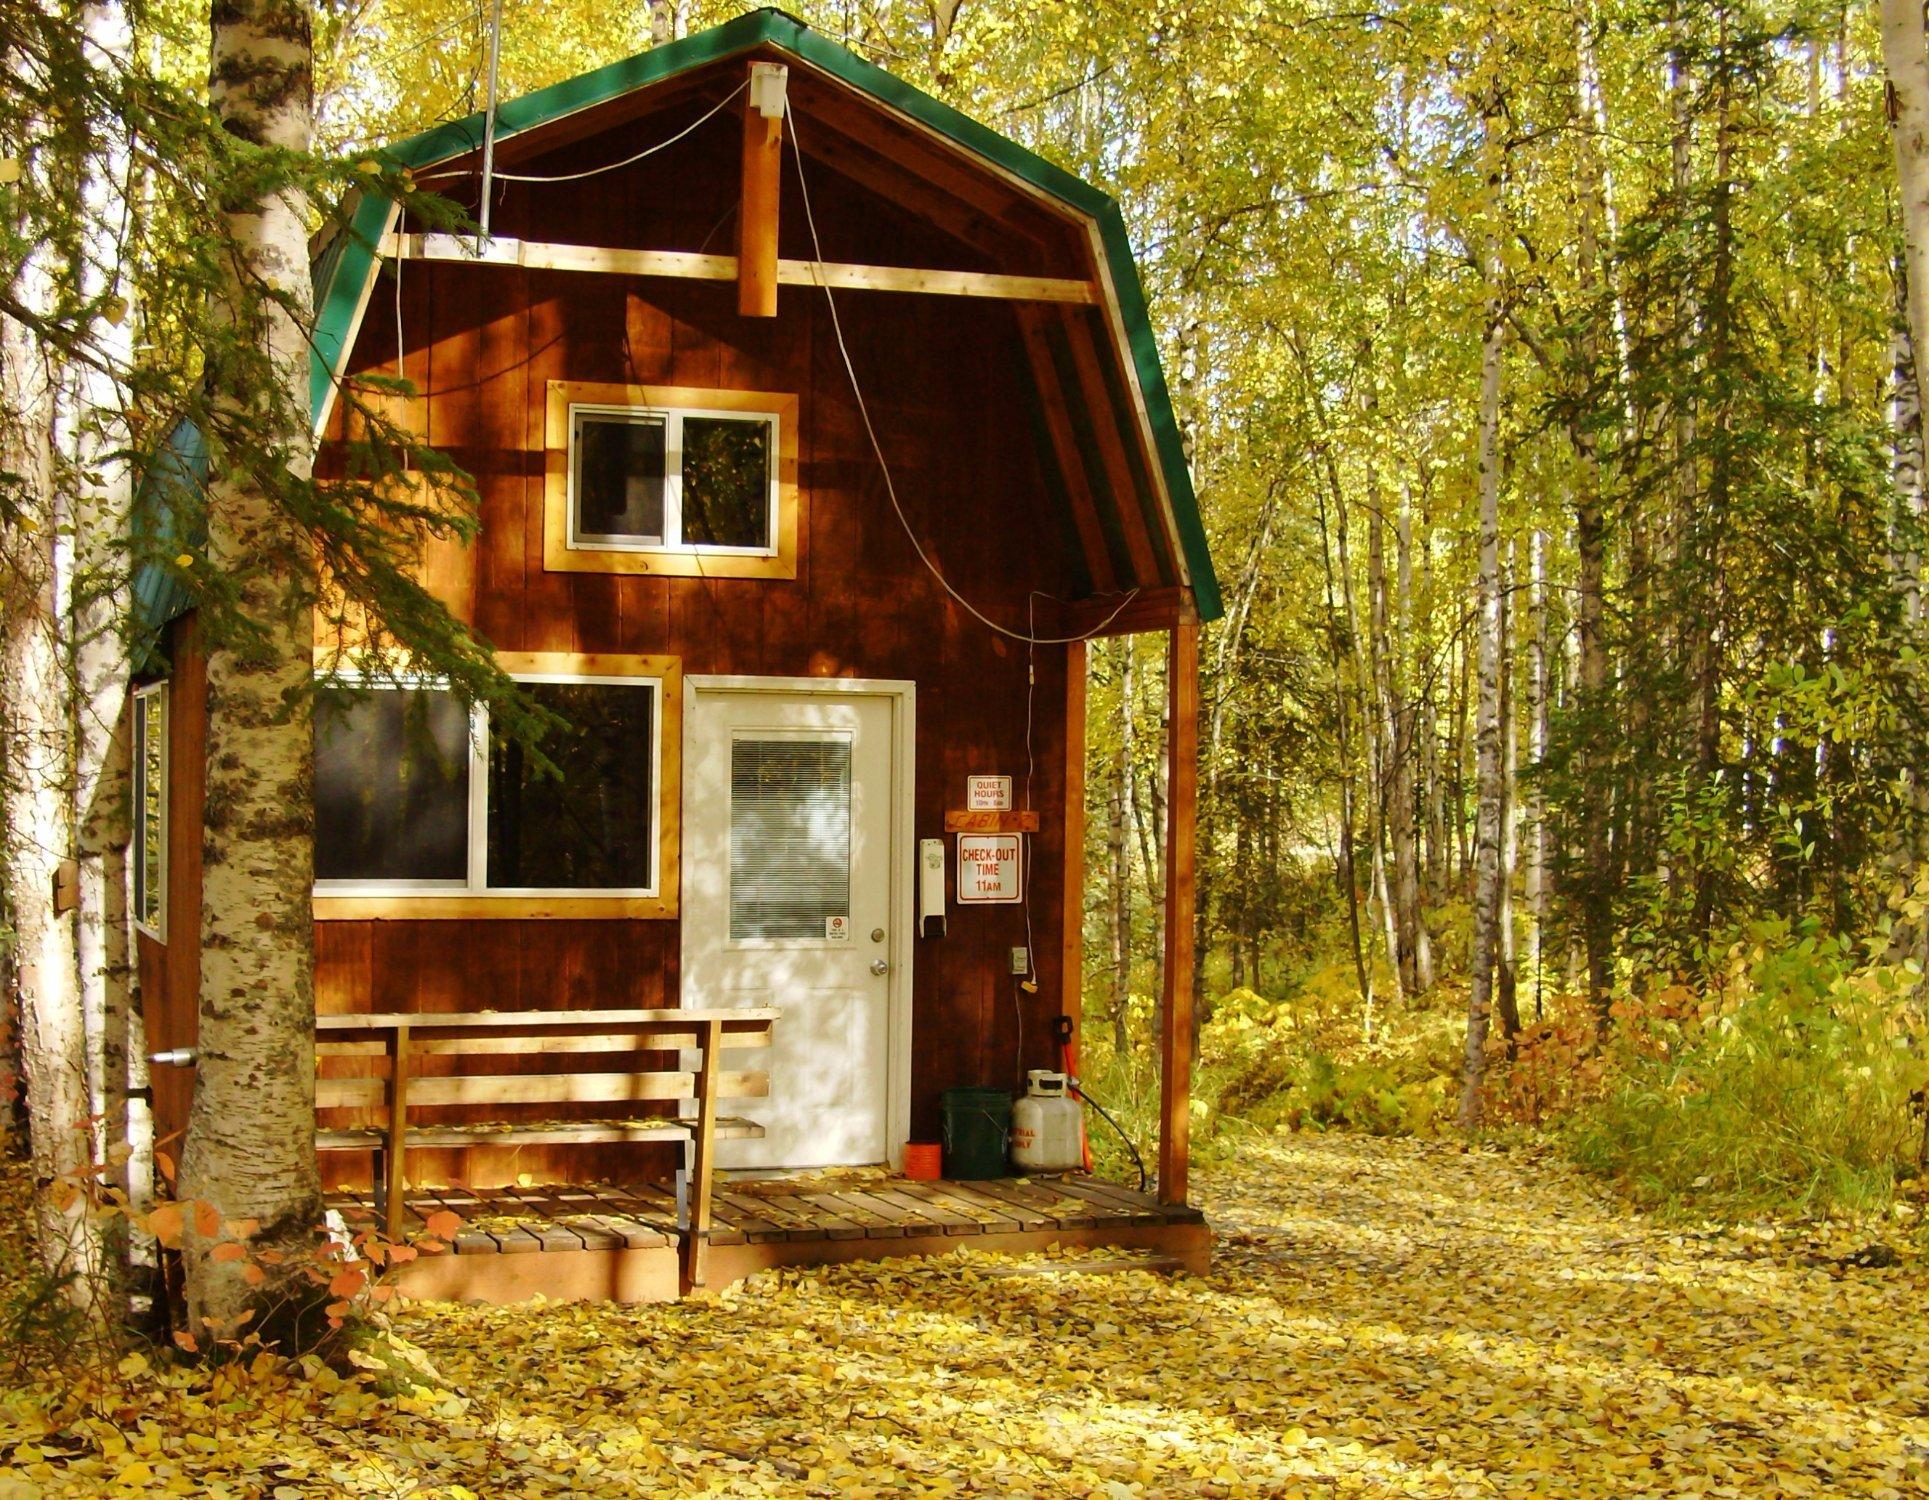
[628, 160]
[877, 447]
[1105, 1115]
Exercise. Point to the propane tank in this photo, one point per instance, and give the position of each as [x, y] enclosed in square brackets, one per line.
[1045, 1133]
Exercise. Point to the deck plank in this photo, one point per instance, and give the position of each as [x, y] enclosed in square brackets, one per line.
[1066, 1211]
[837, 1219]
[992, 1218]
[1121, 1201]
[929, 1207]
[1020, 1215]
[746, 1214]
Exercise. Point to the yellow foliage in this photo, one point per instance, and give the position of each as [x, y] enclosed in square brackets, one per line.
[1384, 1317]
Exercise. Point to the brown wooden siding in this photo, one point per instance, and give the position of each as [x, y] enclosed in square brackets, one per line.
[948, 385]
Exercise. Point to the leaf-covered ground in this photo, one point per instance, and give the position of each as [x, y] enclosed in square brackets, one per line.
[1383, 1318]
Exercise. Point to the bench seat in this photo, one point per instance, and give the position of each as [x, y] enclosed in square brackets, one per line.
[541, 1133]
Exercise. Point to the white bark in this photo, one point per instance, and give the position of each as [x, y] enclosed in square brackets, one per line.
[1487, 740]
[251, 1144]
[92, 435]
[1539, 726]
[1906, 54]
[39, 812]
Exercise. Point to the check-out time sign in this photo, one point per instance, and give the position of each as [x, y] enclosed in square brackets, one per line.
[990, 868]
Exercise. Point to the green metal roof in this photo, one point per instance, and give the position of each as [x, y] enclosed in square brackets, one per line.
[347, 262]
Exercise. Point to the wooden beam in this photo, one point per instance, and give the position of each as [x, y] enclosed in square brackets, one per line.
[763, 164]
[1071, 951]
[1112, 614]
[1175, 1013]
[688, 266]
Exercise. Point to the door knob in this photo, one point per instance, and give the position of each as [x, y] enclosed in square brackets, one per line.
[880, 966]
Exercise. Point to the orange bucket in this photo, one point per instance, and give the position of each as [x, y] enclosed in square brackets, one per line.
[924, 1161]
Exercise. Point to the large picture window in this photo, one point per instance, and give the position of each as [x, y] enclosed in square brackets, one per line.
[150, 810]
[421, 809]
[669, 479]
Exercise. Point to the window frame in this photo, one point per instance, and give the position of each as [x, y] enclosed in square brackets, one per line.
[346, 900]
[144, 697]
[564, 551]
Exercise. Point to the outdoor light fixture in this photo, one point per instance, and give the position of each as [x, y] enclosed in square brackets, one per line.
[767, 84]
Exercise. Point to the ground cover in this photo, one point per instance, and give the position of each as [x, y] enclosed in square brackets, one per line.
[1384, 1317]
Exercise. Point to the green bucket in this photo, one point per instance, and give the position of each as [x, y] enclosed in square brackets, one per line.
[977, 1133]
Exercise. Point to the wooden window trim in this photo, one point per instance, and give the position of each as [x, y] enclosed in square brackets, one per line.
[146, 694]
[470, 906]
[560, 557]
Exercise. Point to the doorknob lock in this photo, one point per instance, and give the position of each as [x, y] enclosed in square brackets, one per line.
[880, 966]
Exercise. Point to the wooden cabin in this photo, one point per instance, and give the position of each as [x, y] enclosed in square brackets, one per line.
[816, 429]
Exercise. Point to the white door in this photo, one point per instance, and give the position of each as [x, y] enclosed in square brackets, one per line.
[788, 900]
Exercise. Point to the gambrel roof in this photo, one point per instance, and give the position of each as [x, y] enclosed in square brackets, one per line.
[1104, 415]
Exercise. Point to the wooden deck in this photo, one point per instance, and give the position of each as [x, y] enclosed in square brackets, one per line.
[621, 1243]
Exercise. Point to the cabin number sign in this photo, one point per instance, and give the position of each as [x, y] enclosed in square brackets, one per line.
[990, 868]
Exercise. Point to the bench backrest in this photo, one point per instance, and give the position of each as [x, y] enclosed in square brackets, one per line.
[490, 1064]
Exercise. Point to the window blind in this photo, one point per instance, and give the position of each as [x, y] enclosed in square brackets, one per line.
[790, 836]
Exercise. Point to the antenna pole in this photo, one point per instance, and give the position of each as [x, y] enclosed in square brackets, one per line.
[489, 122]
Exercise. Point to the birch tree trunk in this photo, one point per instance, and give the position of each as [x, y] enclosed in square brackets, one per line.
[39, 828]
[1539, 729]
[251, 1135]
[92, 433]
[1905, 52]
[1487, 726]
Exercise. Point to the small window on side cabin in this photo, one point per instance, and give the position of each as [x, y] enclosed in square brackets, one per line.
[670, 480]
[150, 810]
[416, 799]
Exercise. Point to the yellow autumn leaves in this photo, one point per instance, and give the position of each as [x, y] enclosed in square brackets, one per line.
[1384, 1318]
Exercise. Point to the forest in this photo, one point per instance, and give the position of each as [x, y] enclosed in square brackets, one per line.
[1546, 377]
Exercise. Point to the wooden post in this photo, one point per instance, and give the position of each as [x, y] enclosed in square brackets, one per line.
[398, 1130]
[1175, 1013]
[703, 1155]
[763, 159]
[1071, 973]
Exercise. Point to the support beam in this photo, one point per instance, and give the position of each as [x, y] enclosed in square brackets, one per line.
[687, 265]
[1071, 953]
[763, 163]
[1175, 1011]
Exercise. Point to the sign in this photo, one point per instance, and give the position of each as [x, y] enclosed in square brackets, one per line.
[837, 929]
[989, 868]
[988, 793]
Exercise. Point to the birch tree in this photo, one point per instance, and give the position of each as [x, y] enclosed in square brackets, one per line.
[250, 1148]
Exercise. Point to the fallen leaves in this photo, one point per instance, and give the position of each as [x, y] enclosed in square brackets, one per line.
[1383, 1318]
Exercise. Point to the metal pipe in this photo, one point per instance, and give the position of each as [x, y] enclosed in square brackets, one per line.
[489, 120]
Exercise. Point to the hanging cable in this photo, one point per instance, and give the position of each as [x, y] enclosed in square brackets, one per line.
[629, 160]
[877, 447]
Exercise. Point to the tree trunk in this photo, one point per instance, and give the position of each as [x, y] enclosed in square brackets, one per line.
[1487, 870]
[1906, 54]
[250, 1150]
[1402, 815]
[1506, 962]
[37, 725]
[1119, 856]
[1539, 728]
[92, 434]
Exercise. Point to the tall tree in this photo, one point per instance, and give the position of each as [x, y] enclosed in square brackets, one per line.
[251, 1147]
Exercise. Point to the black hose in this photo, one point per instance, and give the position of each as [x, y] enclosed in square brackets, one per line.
[1137, 1160]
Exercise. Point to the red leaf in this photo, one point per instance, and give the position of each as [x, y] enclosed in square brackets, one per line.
[348, 1282]
[164, 1223]
[443, 1224]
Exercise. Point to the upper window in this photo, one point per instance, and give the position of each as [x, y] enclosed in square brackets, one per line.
[665, 479]
[422, 810]
[150, 810]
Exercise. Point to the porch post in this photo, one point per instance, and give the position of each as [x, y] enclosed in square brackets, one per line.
[1175, 1011]
[1071, 961]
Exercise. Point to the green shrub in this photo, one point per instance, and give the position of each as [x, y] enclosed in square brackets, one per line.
[1795, 1090]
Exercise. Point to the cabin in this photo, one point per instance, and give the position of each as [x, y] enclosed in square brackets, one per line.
[817, 430]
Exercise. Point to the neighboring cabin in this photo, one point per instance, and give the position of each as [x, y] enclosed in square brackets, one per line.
[689, 547]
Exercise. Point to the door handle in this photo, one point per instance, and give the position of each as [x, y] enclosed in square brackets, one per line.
[880, 966]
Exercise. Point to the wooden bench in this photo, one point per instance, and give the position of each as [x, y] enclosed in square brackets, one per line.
[484, 1081]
